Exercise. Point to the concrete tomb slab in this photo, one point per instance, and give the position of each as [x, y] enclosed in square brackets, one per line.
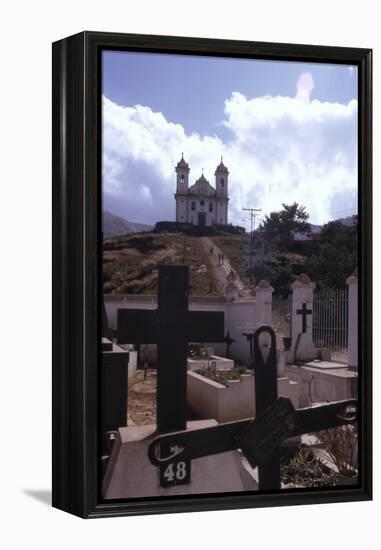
[225, 472]
[325, 365]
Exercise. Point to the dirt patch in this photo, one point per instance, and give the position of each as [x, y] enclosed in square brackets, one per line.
[142, 397]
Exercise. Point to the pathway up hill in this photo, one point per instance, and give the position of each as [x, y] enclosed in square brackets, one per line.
[131, 262]
[225, 271]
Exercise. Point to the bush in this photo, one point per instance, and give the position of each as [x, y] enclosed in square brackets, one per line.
[300, 467]
[341, 446]
[196, 230]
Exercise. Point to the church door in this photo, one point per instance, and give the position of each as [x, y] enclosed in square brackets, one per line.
[202, 219]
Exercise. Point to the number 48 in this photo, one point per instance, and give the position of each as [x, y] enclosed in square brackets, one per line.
[175, 471]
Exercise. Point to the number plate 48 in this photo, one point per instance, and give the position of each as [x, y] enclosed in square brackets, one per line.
[175, 473]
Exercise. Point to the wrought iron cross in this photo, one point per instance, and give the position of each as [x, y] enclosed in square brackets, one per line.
[171, 327]
[260, 438]
[304, 312]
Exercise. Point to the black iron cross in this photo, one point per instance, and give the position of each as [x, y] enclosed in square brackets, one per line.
[228, 341]
[260, 438]
[304, 311]
[171, 327]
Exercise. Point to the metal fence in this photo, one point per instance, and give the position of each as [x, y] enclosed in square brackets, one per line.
[282, 318]
[330, 323]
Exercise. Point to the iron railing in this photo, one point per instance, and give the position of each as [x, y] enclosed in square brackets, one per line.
[330, 323]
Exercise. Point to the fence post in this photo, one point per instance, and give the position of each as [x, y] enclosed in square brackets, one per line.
[302, 293]
[352, 283]
[263, 303]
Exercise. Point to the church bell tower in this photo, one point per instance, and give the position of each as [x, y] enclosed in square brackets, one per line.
[222, 174]
[182, 173]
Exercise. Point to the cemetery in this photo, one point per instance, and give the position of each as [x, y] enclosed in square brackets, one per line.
[239, 403]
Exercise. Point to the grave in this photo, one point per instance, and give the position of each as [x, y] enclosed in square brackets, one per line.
[171, 327]
[326, 365]
[213, 362]
[302, 300]
[323, 381]
[204, 357]
[235, 400]
[259, 439]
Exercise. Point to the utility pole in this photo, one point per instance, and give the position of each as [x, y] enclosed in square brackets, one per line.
[253, 215]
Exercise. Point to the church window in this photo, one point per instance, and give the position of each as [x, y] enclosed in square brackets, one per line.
[222, 182]
[202, 202]
[193, 206]
[182, 178]
[210, 207]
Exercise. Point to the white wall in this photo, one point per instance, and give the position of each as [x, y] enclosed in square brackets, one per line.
[181, 209]
[28, 28]
[221, 211]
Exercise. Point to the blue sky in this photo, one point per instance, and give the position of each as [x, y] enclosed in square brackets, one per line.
[286, 130]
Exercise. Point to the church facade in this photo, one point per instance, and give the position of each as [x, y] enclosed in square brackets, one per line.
[201, 203]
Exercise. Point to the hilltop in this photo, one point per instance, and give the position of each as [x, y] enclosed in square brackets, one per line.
[131, 261]
[115, 225]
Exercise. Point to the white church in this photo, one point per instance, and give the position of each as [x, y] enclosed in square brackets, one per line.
[201, 204]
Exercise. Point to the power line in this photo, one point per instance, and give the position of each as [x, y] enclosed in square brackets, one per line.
[253, 214]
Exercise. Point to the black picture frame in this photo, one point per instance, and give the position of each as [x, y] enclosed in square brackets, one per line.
[76, 151]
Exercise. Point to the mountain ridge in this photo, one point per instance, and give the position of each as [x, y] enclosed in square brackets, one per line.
[113, 225]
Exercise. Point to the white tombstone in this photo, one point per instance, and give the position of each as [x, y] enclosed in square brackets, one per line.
[263, 303]
[352, 283]
[302, 293]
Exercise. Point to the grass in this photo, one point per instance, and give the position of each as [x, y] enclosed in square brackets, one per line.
[131, 263]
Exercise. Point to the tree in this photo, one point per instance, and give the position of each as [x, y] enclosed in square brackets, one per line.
[280, 277]
[282, 226]
[337, 257]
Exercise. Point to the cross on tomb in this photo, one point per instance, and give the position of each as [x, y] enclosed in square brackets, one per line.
[304, 312]
[259, 438]
[171, 327]
[228, 341]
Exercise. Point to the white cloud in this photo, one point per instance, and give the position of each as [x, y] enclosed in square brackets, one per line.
[281, 150]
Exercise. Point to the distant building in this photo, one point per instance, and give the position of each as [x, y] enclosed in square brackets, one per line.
[201, 204]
